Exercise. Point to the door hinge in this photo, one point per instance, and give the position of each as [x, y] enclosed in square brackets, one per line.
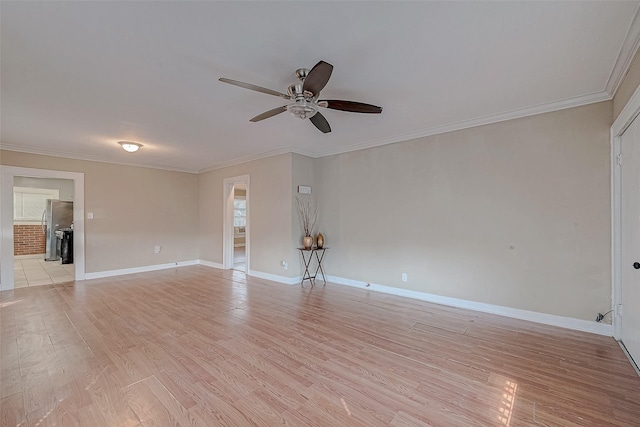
[619, 160]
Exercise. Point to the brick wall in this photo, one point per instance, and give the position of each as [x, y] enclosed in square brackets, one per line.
[28, 240]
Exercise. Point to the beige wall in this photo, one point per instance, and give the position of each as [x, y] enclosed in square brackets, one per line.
[303, 174]
[269, 213]
[445, 209]
[134, 210]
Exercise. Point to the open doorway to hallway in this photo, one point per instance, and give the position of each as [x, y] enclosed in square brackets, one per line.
[236, 245]
[240, 227]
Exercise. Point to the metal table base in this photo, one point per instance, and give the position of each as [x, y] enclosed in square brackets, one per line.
[307, 262]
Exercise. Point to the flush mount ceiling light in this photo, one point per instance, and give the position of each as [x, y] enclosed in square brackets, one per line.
[129, 146]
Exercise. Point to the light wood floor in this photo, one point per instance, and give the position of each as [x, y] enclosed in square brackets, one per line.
[197, 346]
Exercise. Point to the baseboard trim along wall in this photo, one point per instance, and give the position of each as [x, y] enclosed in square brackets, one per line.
[111, 273]
[274, 277]
[516, 313]
[210, 264]
[532, 316]
[147, 268]
[260, 275]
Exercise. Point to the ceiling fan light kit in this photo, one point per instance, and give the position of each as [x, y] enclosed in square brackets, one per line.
[304, 105]
[304, 97]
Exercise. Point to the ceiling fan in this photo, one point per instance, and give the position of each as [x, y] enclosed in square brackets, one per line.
[304, 97]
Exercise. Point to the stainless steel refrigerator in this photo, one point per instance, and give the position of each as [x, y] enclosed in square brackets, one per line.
[57, 215]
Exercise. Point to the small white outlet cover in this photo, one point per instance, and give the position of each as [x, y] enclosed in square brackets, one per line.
[157, 249]
[89, 215]
[404, 277]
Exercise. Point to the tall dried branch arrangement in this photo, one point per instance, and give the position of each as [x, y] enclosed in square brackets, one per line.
[308, 215]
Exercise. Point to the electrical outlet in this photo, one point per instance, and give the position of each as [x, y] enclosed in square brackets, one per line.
[285, 265]
[157, 249]
[405, 277]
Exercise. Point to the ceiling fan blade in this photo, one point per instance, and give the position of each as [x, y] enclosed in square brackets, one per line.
[352, 106]
[320, 122]
[254, 87]
[269, 113]
[317, 78]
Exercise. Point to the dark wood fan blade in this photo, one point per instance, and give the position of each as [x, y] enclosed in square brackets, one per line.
[254, 87]
[320, 122]
[317, 78]
[352, 106]
[269, 113]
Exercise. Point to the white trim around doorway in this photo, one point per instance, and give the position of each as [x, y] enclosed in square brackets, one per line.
[7, 174]
[625, 118]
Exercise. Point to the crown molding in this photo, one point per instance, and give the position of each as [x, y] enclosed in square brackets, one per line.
[486, 120]
[259, 156]
[465, 124]
[480, 121]
[626, 54]
[87, 157]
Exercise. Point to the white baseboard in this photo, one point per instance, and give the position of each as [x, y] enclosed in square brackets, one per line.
[275, 278]
[532, 316]
[210, 264]
[259, 274]
[111, 273]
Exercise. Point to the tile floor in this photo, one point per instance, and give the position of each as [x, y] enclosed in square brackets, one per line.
[33, 270]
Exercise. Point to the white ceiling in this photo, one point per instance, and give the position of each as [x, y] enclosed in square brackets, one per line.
[76, 77]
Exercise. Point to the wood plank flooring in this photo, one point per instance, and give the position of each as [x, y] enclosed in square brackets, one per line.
[197, 346]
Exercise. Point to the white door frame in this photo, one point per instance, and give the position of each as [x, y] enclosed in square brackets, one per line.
[227, 228]
[8, 173]
[625, 118]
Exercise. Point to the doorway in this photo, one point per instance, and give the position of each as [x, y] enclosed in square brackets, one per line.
[8, 175]
[42, 228]
[629, 311]
[240, 227]
[236, 235]
[625, 246]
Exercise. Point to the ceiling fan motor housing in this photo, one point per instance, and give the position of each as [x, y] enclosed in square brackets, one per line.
[304, 104]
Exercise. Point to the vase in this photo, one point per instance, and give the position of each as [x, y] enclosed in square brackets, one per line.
[307, 242]
[320, 241]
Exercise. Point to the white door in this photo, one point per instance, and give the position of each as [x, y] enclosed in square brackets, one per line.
[630, 227]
